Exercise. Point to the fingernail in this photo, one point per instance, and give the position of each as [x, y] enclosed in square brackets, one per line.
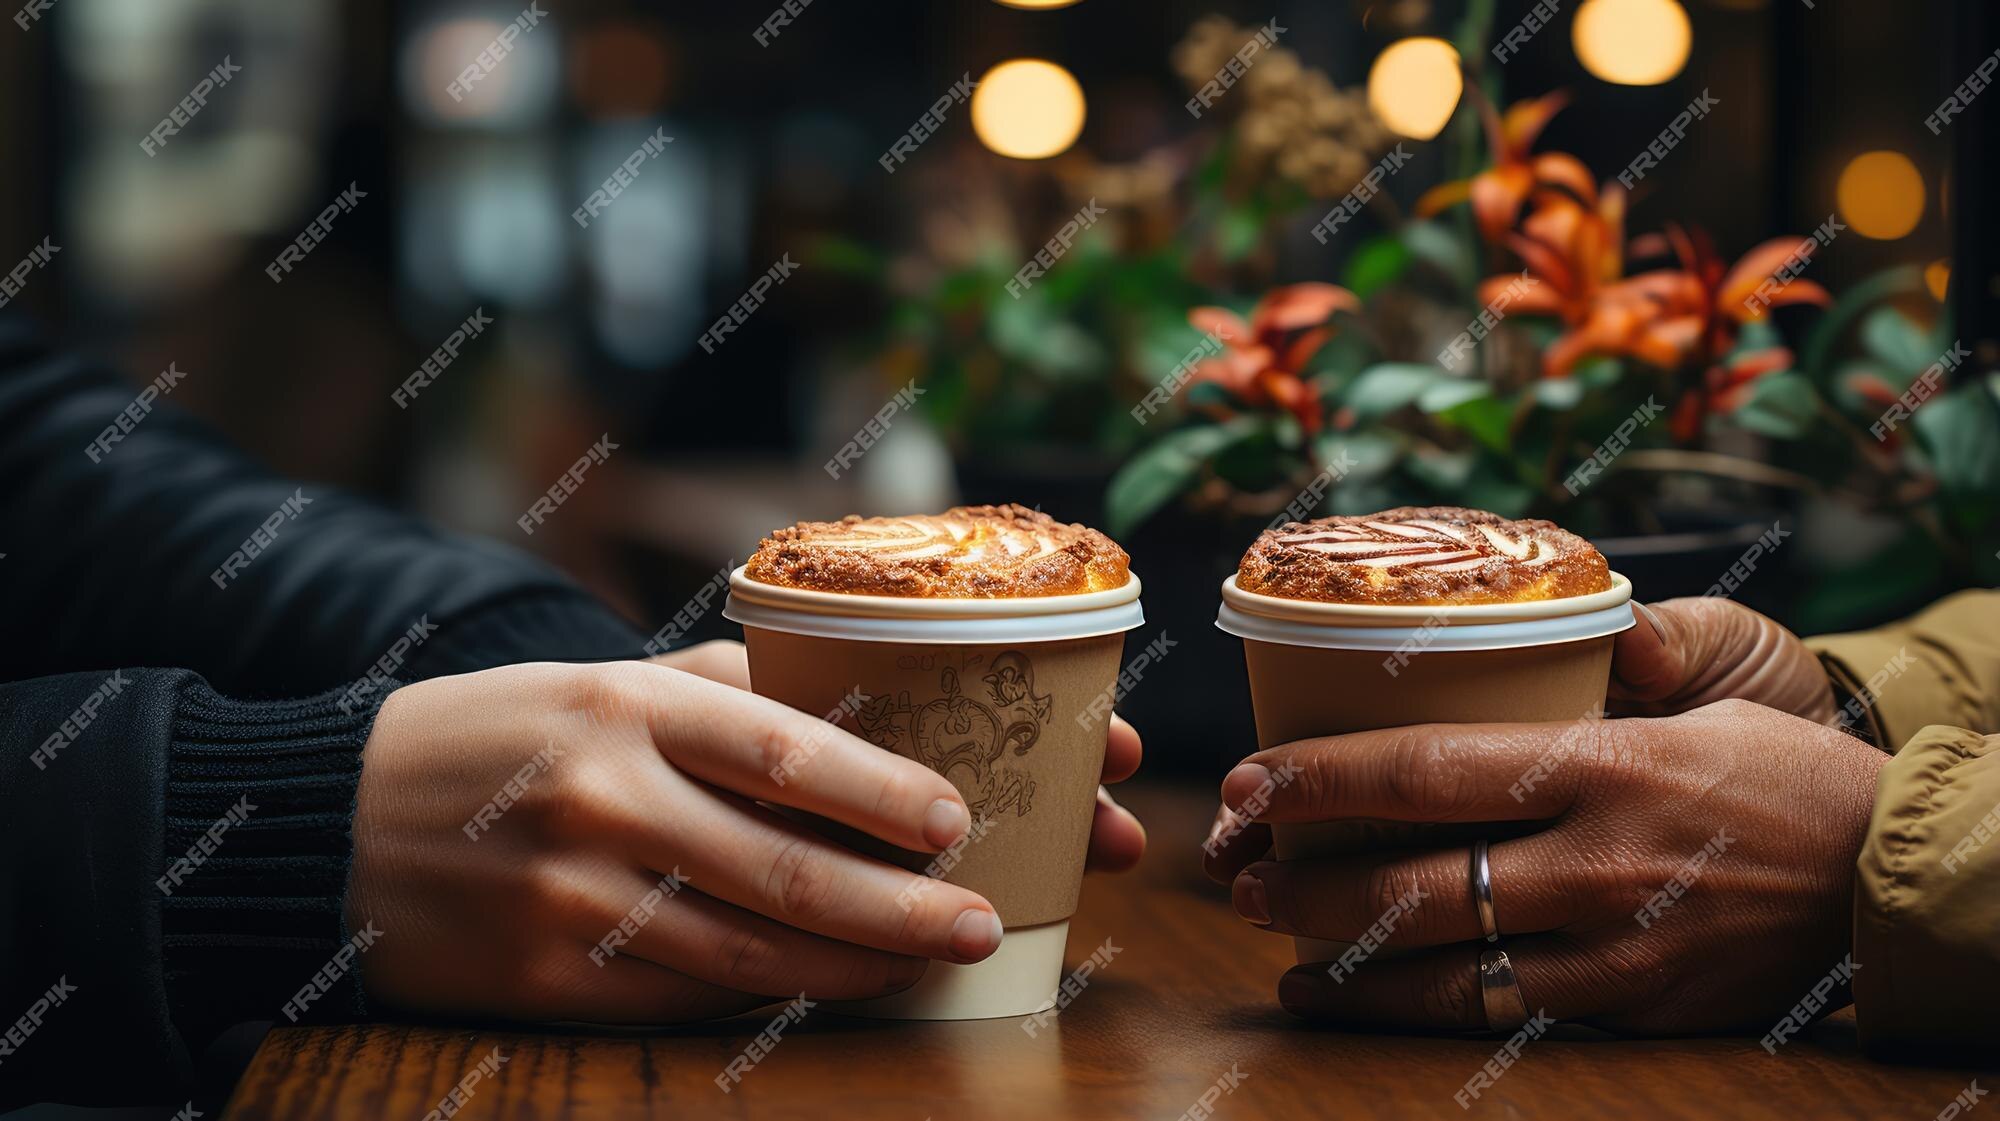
[945, 822]
[907, 971]
[1296, 992]
[1659, 629]
[1248, 894]
[1246, 780]
[976, 934]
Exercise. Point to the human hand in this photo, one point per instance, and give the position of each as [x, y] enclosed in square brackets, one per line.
[1117, 840]
[1685, 653]
[508, 821]
[1780, 805]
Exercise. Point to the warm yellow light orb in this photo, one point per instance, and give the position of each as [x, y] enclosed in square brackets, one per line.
[1414, 86]
[1632, 42]
[1881, 195]
[1937, 278]
[1027, 108]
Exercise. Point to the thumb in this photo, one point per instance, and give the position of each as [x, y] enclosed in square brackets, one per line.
[1649, 660]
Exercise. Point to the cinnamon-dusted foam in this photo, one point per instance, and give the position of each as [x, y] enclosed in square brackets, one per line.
[967, 552]
[1420, 555]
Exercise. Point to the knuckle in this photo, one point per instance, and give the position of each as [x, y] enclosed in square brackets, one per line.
[750, 961]
[770, 748]
[802, 882]
[1421, 782]
[1444, 998]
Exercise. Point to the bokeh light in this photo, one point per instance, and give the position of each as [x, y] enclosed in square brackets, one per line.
[1414, 86]
[1632, 42]
[1034, 4]
[1027, 108]
[1937, 278]
[1880, 195]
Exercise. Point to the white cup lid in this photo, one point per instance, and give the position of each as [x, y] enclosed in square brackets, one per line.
[1484, 626]
[938, 620]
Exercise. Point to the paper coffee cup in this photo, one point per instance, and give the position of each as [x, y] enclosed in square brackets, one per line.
[1010, 699]
[1326, 669]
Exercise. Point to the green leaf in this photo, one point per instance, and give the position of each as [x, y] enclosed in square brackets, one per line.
[1436, 246]
[1451, 393]
[1384, 388]
[1961, 433]
[1370, 455]
[1490, 490]
[1890, 336]
[1486, 419]
[1381, 260]
[1238, 232]
[1782, 404]
[1444, 472]
[1827, 331]
[1158, 474]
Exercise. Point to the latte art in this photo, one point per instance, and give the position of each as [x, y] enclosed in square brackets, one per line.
[966, 552]
[1414, 555]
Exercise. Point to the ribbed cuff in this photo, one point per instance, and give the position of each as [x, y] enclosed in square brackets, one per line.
[546, 626]
[258, 839]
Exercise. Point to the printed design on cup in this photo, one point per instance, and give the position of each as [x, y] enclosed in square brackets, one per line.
[968, 737]
[1423, 543]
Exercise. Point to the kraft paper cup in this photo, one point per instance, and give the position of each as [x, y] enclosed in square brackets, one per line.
[1324, 669]
[1010, 699]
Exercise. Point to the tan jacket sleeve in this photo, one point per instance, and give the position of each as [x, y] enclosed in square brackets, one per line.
[1927, 888]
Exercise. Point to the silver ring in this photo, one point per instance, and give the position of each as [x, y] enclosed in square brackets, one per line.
[1482, 890]
[1506, 1009]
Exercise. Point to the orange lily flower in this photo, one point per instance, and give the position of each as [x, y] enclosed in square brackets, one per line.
[1571, 252]
[1517, 174]
[1262, 359]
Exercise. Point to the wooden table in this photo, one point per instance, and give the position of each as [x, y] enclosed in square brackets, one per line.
[1187, 1000]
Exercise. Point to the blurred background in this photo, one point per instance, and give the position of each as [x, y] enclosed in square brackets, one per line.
[1171, 160]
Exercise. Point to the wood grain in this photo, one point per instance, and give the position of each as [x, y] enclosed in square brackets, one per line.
[1187, 997]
